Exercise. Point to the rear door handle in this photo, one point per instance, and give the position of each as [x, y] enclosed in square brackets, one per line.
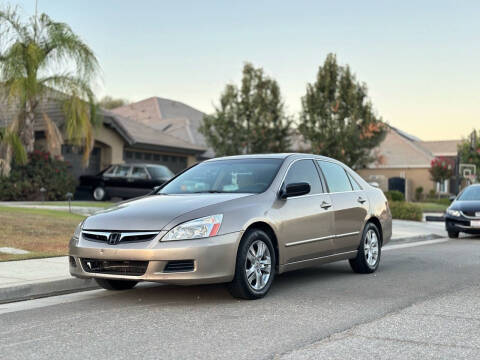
[325, 205]
[361, 200]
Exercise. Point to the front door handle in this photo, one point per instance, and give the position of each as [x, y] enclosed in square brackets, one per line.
[325, 205]
[361, 200]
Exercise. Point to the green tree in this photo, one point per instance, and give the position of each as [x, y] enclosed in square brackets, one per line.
[250, 118]
[108, 102]
[41, 58]
[469, 150]
[337, 118]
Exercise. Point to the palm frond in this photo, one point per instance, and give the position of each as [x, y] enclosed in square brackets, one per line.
[60, 44]
[53, 135]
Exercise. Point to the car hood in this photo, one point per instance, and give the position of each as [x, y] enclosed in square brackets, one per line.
[466, 205]
[152, 212]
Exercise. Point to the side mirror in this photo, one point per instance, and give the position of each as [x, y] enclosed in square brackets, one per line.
[295, 189]
[155, 189]
[452, 198]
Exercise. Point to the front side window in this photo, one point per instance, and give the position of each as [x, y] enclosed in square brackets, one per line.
[336, 177]
[110, 171]
[226, 176]
[304, 171]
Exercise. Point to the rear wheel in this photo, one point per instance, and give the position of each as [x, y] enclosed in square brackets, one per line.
[453, 234]
[255, 266]
[109, 284]
[369, 251]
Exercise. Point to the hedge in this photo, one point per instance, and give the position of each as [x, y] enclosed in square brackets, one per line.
[406, 211]
[41, 171]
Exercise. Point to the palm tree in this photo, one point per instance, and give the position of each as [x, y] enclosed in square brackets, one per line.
[41, 58]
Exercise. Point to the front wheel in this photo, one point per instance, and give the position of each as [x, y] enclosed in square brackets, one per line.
[116, 284]
[453, 234]
[99, 193]
[255, 267]
[369, 251]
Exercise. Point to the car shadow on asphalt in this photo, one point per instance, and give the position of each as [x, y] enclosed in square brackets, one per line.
[298, 280]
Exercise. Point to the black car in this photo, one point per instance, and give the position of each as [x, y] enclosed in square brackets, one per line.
[125, 181]
[463, 215]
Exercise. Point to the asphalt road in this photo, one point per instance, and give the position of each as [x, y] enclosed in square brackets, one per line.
[308, 314]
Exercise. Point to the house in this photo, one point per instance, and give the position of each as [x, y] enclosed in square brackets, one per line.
[403, 162]
[121, 139]
[171, 117]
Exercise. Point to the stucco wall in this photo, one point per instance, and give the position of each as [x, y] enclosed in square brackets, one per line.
[414, 177]
[112, 153]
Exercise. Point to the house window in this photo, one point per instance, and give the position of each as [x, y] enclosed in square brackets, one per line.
[148, 156]
[156, 157]
[128, 155]
[442, 187]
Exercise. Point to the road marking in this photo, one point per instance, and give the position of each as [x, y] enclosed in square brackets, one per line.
[414, 244]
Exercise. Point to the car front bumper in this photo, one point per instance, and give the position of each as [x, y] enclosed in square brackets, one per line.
[460, 224]
[213, 259]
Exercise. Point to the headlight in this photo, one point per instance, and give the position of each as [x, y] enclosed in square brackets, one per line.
[455, 213]
[78, 231]
[195, 229]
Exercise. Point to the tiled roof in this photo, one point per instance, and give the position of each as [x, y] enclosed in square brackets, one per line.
[136, 133]
[442, 148]
[171, 117]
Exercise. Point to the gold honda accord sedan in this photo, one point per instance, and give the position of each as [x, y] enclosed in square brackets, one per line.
[238, 220]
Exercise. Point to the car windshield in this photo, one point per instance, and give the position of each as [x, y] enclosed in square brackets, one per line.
[226, 176]
[470, 194]
[160, 172]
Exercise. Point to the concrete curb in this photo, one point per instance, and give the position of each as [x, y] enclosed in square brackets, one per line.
[415, 238]
[35, 290]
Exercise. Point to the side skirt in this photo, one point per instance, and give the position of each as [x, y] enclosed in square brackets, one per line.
[317, 261]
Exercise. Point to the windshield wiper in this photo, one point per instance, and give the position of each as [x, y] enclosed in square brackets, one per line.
[212, 192]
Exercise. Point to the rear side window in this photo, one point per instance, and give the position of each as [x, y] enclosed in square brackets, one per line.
[356, 186]
[336, 177]
[305, 171]
[122, 171]
[139, 173]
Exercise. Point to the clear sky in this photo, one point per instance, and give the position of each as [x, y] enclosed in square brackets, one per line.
[420, 59]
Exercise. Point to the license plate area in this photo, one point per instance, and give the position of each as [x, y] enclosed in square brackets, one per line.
[475, 223]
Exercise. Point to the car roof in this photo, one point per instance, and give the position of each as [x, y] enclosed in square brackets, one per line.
[272, 156]
[139, 164]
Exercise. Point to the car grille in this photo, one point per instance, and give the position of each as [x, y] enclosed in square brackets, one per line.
[123, 237]
[470, 214]
[179, 266]
[115, 267]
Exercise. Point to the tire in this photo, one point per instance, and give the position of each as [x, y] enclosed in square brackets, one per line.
[99, 193]
[262, 272]
[367, 261]
[116, 284]
[453, 234]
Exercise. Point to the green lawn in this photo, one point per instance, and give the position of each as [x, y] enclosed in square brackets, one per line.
[43, 232]
[432, 207]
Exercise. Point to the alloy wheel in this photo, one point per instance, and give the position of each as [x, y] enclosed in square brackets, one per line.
[370, 247]
[258, 265]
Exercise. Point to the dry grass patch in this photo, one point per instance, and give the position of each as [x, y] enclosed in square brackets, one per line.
[42, 232]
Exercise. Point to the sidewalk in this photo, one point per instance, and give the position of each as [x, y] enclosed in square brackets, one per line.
[45, 277]
[26, 279]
